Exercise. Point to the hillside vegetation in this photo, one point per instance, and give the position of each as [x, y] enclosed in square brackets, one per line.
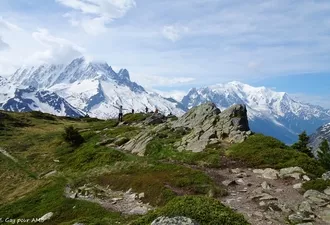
[39, 165]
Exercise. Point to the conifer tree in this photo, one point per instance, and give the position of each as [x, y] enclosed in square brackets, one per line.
[302, 144]
[324, 154]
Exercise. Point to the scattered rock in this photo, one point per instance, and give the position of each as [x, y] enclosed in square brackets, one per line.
[262, 203]
[325, 216]
[305, 207]
[297, 186]
[306, 178]
[141, 195]
[51, 173]
[327, 191]
[263, 196]
[258, 214]
[179, 220]
[265, 185]
[56, 160]
[47, 216]
[229, 182]
[270, 174]
[294, 172]
[240, 181]
[326, 176]
[296, 218]
[258, 171]
[139, 210]
[309, 223]
[316, 197]
[78, 224]
[235, 171]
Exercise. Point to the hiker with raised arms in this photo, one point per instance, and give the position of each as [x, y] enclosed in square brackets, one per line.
[120, 115]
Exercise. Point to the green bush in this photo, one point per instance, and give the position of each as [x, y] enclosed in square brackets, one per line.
[72, 136]
[319, 185]
[263, 151]
[205, 211]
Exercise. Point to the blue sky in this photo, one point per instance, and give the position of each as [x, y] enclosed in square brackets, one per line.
[173, 45]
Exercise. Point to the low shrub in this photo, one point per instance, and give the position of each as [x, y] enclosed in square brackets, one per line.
[204, 210]
[72, 136]
[319, 185]
[263, 151]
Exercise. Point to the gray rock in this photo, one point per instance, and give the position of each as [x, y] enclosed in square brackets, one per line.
[326, 176]
[305, 206]
[309, 223]
[306, 178]
[258, 171]
[291, 172]
[297, 186]
[179, 220]
[121, 141]
[209, 125]
[229, 182]
[265, 185]
[141, 195]
[327, 191]
[316, 197]
[325, 216]
[139, 210]
[270, 174]
[105, 142]
[78, 224]
[47, 216]
[296, 218]
[155, 119]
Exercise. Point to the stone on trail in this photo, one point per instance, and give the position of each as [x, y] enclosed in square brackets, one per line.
[326, 176]
[327, 191]
[297, 186]
[294, 172]
[316, 197]
[270, 174]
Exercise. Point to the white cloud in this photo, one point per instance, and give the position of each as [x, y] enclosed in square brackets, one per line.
[56, 50]
[175, 94]
[152, 81]
[6, 25]
[3, 45]
[174, 32]
[94, 15]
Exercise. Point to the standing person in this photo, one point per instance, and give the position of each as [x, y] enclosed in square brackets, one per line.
[147, 110]
[132, 111]
[120, 114]
[156, 111]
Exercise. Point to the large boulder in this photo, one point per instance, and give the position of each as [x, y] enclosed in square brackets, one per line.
[155, 119]
[210, 125]
[206, 125]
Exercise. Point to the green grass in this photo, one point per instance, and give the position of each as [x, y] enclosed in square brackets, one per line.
[205, 211]
[319, 185]
[160, 182]
[133, 118]
[66, 211]
[263, 151]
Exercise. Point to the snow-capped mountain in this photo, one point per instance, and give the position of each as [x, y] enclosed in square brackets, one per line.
[94, 88]
[316, 138]
[272, 113]
[30, 99]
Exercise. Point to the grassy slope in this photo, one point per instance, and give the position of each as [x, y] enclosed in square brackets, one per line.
[36, 141]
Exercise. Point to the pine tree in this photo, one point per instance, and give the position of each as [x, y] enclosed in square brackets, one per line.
[302, 144]
[324, 154]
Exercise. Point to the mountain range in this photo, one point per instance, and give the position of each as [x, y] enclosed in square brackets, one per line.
[92, 88]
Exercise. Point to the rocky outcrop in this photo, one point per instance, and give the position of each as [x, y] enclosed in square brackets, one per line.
[210, 125]
[206, 125]
[178, 220]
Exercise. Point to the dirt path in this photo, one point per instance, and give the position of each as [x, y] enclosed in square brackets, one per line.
[246, 193]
